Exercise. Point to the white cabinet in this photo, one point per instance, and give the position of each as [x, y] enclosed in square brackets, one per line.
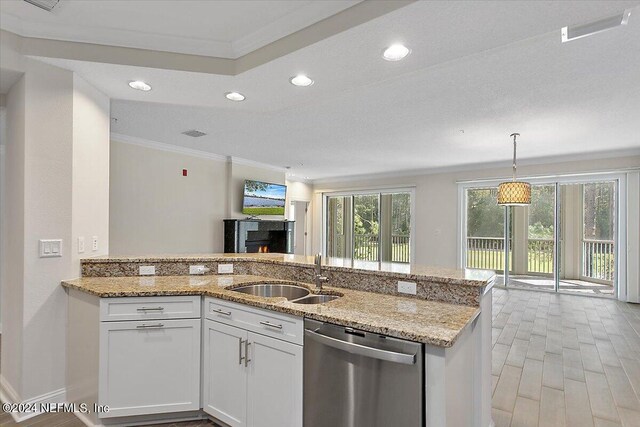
[252, 372]
[224, 395]
[274, 391]
[149, 366]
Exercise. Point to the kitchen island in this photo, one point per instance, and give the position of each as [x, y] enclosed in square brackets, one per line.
[450, 315]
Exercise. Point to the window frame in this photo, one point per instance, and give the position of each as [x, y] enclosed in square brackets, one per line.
[411, 190]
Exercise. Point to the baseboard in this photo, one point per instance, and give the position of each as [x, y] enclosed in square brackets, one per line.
[9, 395]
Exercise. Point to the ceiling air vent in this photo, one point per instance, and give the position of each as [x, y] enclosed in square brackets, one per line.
[578, 31]
[47, 5]
[194, 133]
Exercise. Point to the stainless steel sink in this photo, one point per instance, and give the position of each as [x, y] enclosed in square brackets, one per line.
[316, 299]
[271, 290]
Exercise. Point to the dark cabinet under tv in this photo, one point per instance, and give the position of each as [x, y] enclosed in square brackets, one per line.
[257, 236]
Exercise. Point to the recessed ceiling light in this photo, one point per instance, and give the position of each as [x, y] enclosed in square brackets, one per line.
[301, 80]
[140, 85]
[396, 52]
[234, 96]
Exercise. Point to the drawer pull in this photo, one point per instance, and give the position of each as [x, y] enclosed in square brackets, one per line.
[145, 326]
[150, 309]
[219, 311]
[272, 325]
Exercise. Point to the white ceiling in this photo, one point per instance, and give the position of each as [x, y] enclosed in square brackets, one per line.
[488, 68]
[220, 28]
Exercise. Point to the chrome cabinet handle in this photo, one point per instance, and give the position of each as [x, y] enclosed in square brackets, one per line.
[271, 325]
[150, 309]
[240, 358]
[246, 353]
[155, 325]
[219, 311]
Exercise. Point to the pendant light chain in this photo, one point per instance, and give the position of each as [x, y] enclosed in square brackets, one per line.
[514, 135]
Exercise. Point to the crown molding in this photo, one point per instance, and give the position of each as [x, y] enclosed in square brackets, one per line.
[253, 163]
[171, 148]
[546, 160]
[36, 43]
[126, 139]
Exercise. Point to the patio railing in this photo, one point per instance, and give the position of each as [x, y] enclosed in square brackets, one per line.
[598, 260]
[540, 256]
[486, 253]
[365, 247]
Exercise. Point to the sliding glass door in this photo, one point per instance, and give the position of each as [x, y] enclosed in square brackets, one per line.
[565, 239]
[369, 226]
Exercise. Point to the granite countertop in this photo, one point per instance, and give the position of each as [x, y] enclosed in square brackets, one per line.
[429, 322]
[467, 277]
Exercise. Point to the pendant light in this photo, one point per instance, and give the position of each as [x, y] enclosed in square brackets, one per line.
[514, 193]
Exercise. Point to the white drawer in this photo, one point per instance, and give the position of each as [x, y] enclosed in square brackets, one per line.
[266, 322]
[149, 308]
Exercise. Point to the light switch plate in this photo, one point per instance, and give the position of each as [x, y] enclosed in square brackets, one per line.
[94, 243]
[407, 287]
[50, 248]
[225, 268]
[147, 270]
[198, 269]
[81, 244]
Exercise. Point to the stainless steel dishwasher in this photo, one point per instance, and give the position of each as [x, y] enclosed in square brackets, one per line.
[354, 378]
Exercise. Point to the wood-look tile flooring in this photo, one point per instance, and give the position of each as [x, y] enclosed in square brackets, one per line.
[564, 360]
[558, 360]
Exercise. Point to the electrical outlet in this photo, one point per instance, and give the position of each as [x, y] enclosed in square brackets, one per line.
[225, 268]
[147, 270]
[81, 244]
[198, 269]
[407, 287]
[94, 243]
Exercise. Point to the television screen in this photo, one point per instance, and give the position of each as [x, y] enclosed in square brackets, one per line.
[262, 198]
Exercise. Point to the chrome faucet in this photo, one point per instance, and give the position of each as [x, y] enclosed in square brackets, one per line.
[319, 278]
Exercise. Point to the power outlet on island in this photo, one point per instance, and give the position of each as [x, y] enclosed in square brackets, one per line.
[225, 268]
[147, 270]
[407, 287]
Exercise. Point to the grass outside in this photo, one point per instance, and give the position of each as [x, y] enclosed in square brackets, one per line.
[263, 210]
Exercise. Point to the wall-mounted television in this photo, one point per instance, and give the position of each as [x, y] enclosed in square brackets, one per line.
[263, 198]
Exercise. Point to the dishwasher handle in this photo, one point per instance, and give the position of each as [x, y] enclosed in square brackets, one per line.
[362, 350]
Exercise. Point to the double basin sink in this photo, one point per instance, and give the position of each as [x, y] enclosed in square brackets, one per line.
[293, 293]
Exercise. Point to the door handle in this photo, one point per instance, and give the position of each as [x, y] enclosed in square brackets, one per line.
[240, 357]
[219, 311]
[150, 309]
[246, 353]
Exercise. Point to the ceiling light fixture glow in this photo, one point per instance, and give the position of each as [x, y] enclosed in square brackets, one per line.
[139, 85]
[301, 80]
[396, 52]
[235, 96]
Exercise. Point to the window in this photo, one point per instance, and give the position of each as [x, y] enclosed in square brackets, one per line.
[369, 226]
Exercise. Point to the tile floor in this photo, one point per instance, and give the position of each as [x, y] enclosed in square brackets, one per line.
[564, 360]
[558, 360]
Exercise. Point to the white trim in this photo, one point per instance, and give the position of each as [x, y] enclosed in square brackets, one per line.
[482, 166]
[9, 395]
[126, 139]
[247, 162]
[619, 175]
[411, 189]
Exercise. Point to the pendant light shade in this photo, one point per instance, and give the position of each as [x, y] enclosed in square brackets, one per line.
[514, 193]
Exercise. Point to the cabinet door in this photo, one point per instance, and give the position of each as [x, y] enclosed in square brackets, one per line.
[225, 378]
[274, 383]
[149, 367]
